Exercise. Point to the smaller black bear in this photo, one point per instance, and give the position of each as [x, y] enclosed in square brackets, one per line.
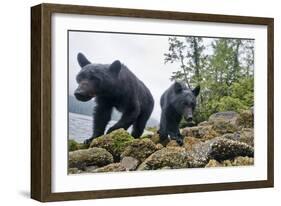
[176, 101]
[113, 86]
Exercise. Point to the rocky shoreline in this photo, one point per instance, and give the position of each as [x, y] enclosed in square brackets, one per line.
[226, 139]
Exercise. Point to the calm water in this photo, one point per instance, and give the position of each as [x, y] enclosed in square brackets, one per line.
[80, 127]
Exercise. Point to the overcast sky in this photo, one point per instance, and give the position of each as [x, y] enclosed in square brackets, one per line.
[142, 54]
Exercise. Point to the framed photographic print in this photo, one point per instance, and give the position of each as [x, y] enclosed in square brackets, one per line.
[130, 102]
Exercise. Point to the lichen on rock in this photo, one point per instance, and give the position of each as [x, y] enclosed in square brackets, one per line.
[173, 157]
[223, 149]
[239, 161]
[139, 149]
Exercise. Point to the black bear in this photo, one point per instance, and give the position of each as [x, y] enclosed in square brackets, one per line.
[113, 86]
[176, 101]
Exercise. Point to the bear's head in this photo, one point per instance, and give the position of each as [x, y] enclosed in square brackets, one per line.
[95, 79]
[184, 100]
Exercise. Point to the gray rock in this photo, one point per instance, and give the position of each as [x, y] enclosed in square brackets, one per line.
[246, 135]
[129, 163]
[225, 122]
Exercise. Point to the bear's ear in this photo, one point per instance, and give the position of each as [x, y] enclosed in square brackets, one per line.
[178, 87]
[196, 91]
[115, 67]
[82, 60]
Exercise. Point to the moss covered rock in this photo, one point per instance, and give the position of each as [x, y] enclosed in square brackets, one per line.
[139, 149]
[115, 142]
[88, 157]
[172, 157]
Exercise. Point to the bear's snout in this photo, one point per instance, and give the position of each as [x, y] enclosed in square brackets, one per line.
[81, 97]
[188, 116]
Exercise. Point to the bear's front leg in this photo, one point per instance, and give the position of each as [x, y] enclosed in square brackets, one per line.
[127, 119]
[101, 117]
[163, 128]
[175, 134]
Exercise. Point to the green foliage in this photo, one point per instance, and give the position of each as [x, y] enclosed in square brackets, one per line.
[222, 67]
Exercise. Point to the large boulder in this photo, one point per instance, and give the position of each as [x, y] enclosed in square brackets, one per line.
[223, 149]
[172, 157]
[219, 149]
[115, 142]
[88, 157]
[225, 122]
[139, 149]
[203, 132]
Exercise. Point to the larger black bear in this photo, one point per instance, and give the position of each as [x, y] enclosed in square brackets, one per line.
[113, 86]
[176, 101]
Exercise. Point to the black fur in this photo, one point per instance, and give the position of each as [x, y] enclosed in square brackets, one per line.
[114, 86]
[176, 102]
